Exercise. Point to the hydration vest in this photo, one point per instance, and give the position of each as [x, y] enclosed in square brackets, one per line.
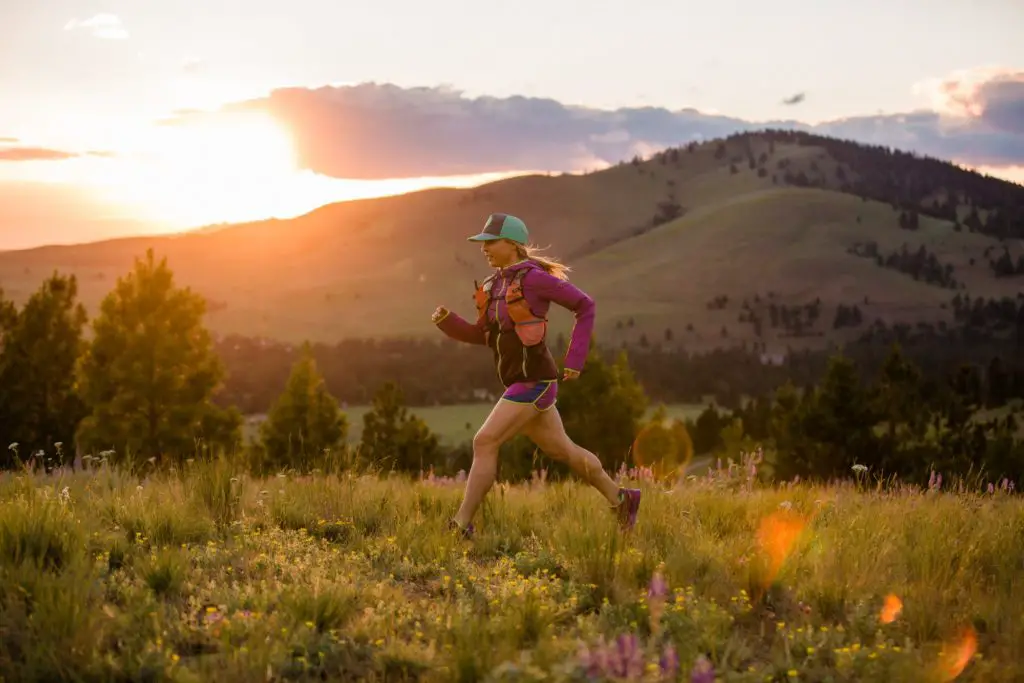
[530, 328]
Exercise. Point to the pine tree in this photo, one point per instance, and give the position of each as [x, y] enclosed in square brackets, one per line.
[39, 407]
[899, 396]
[395, 439]
[602, 409]
[149, 374]
[305, 421]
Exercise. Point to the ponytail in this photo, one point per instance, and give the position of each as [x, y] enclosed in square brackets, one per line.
[550, 265]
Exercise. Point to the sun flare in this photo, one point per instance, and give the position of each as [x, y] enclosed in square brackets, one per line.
[223, 168]
[212, 168]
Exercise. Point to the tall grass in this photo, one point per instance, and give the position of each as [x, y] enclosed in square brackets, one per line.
[210, 574]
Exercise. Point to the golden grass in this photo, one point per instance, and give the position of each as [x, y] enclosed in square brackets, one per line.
[213, 575]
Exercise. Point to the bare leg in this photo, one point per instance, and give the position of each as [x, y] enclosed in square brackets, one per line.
[505, 420]
[548, 432]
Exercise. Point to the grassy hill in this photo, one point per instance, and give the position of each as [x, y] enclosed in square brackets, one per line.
[762, 219]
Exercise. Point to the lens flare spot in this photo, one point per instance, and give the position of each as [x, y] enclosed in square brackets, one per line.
[955, 656]
[776, 536]
[664, 446]
[891, 609]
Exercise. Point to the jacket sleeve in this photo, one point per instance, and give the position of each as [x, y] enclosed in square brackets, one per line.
[582, 306]
[461, 330]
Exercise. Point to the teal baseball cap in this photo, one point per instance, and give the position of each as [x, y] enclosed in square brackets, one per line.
[501, 226]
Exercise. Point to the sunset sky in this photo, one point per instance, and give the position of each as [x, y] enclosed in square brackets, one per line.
[129, 116]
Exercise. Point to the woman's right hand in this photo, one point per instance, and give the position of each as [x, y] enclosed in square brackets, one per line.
[439, 313]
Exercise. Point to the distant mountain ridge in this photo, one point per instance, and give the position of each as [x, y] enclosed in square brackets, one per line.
[698, 245]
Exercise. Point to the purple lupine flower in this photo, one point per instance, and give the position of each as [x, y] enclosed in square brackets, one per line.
[702, 671]
[669, 662]
[658, 588]
[590, 662]
[630, 659]
[605, 657]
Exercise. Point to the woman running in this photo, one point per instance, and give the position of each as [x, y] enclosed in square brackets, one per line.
[512, 306]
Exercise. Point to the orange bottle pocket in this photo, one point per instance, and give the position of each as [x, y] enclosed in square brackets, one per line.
[532, 332]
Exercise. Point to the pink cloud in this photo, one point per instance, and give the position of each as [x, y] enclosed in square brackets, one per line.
[28, 153]
[375, 130]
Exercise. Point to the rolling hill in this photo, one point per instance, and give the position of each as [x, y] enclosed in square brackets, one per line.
[705, 245]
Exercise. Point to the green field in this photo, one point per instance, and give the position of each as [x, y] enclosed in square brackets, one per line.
[454, 424]
[210, 575]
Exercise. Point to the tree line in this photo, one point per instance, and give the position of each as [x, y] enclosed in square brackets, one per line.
[911, 183]
[896, 422]
[920, 264]
[441, 372]
[148, 388]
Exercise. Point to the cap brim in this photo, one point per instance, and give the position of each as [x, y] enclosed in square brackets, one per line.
[483, 237]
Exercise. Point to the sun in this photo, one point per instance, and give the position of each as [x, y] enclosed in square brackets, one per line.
[221, 167]
[217, 168]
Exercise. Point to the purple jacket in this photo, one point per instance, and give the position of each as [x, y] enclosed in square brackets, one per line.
[541, 290]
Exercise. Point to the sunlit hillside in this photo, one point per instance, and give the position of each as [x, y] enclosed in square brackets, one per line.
[763, 219]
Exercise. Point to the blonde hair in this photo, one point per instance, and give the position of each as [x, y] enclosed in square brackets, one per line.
[552, 265]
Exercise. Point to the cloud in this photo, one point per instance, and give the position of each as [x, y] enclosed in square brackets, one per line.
[795, 99]
[994, 97]
[370, 130]
[33, 154]
[4, 141]
[105, 26]
[988, 96]
[26, 153]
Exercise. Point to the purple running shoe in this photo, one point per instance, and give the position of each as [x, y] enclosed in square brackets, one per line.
[466, 532]
[628, 507]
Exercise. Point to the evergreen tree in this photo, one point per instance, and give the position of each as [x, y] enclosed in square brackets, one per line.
[602, 409]
[149, 374]
[792, 452]
[40, 347]
[395, 439]
[305, 421]
[898, 395]
[841, 420]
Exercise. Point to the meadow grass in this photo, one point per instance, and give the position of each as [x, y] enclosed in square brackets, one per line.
[209, 574]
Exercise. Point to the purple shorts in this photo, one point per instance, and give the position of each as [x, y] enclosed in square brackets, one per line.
[540, 394]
